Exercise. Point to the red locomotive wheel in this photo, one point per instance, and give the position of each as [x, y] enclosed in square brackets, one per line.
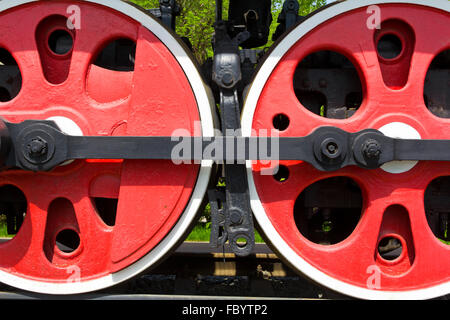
[96, 68]
[365, 233]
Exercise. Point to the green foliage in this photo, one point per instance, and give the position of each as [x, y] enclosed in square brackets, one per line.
[196, 23]
[197, 18]
[4, 228]
[147, 4]
[199, 233]
[202, 233]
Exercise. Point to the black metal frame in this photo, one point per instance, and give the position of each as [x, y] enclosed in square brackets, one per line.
[168, 11]
[236, 216]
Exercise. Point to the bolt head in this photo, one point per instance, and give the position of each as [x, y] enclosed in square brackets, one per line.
[37, 147]
[228, 79]
[330, 149]
[372, 149]
[235, 217]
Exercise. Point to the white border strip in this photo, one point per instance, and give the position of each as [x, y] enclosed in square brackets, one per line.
[247, 121]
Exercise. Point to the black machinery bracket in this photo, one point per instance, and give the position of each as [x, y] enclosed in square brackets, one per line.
[168, 11]
[235, 216]
[289, 16]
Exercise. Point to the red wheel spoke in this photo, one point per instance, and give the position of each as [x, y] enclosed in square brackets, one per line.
[405, 74]
[22, 46]
[53, 211]
[406, 219]
[93, 36]
[426, 47]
